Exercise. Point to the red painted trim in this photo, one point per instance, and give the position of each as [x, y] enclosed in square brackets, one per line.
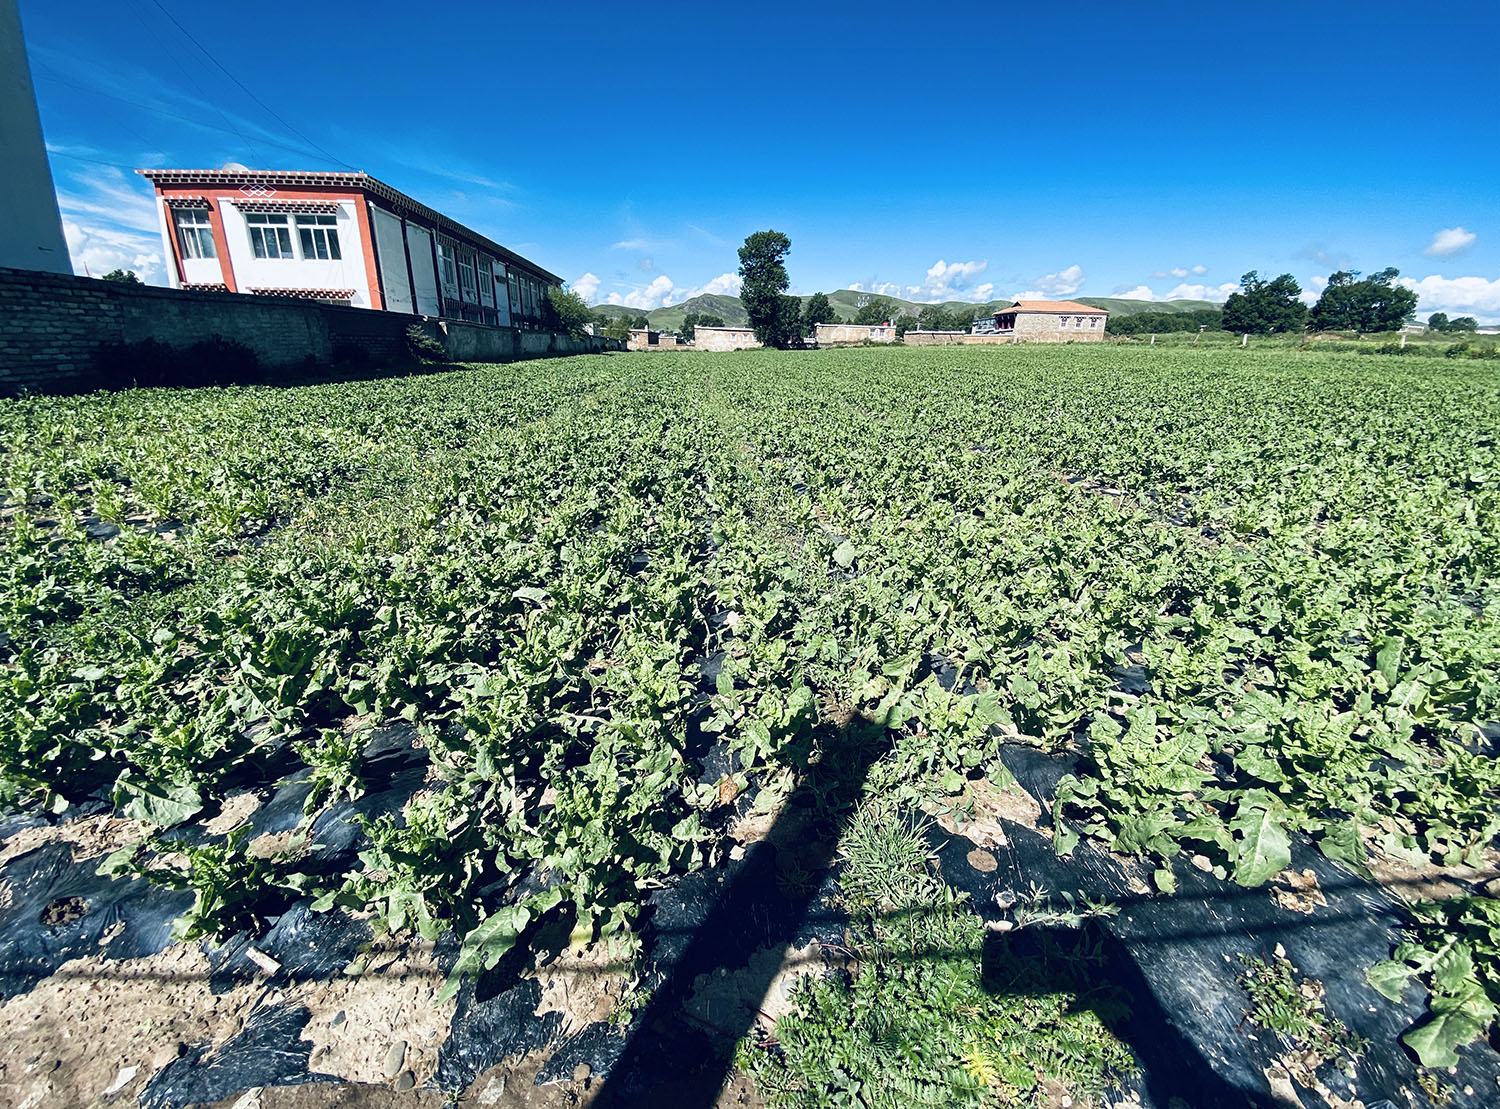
[372, 263]
[221, 245]
[176, 244]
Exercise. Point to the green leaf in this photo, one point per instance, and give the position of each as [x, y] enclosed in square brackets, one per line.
[1388, 659]
[1341, 842]
[484, 946]
[163, 804]
[1435, 1040]
[1389, 978]
[844, 554]
[530, 593]
[1263, 848]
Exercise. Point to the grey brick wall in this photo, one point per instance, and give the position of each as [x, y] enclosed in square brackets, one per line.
[53, 325]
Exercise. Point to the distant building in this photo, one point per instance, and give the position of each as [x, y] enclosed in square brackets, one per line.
[31, 233]
[850, 334]
[724, 338]
[643, 338]
[984, 325]
[344, 238]
[1051, 321]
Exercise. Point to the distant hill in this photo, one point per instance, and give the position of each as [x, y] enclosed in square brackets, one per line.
[1119, 306]
[847, 301]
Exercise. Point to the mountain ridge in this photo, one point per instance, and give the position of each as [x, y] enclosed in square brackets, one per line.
[848, 301]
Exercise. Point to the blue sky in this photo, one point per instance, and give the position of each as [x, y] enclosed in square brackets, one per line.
[961, 151]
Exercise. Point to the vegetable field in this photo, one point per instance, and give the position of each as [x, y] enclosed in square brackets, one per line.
[628, 609]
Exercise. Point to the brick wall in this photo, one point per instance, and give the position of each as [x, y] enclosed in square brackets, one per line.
[953, 339]
[53, 325]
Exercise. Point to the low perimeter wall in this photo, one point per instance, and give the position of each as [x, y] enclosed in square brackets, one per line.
[953, 339]
[52, 327]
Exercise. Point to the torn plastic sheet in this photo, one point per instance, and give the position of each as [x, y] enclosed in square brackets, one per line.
[491, 1025]
[60, 910]
[268, 1052]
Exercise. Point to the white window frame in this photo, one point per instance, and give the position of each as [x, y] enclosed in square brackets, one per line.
[1093, 321]
[320, 232]
[195, 232]
[468, 286]
[257, 224]
[447, 265]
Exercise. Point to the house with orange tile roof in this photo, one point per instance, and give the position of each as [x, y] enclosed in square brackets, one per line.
[1051, 321]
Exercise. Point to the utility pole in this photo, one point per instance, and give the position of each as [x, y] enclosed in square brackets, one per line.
[31, 234]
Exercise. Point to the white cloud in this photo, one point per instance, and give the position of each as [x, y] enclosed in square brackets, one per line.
[1063, 283]
[949, 281]
[645, 297]
[1179, 271]
[1199, 269]
[1216, 293]
[1140, 292]
[1449, 241]
[984, 292]
[1464, 296]
[726, 284]
[587, 287]
[97, 251]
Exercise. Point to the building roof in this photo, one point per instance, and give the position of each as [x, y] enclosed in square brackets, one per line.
[255, 180]
[1059, 307]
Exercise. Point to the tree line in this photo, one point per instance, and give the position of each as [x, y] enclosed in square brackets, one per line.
[1259, 306]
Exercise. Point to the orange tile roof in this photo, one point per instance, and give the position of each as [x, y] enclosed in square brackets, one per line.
[1061, 307]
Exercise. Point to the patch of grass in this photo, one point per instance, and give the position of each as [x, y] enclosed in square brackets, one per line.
[925, 1018]
[1292, 1007]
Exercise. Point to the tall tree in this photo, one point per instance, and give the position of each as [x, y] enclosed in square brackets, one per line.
[764, 285]
[818, 310]
[875, 310]
[566, 311]
[1375, 304]
[1261, 307]
[1438, 321]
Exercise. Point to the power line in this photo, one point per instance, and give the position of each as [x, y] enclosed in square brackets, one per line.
[140, 15]
[269, 111]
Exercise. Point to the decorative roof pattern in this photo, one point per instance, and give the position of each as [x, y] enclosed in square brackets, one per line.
[306, 294]
[187, 202]
[261, 183]
[1057, 307]
[320, 207]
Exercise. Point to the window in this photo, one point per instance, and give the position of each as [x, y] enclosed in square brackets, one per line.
[1063, 321]
[1093, 321]
[486, 281]
[515, 295]
[269, 235]
[466, 276]
[320, 237]
[195, 233]
[445, 264]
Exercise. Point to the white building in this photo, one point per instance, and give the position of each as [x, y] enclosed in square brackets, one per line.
[31, 234]
[345, 238]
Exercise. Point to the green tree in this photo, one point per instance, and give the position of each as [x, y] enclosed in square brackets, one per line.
[904, 324]
[1438, 321]
[640, 321]
[1262, 307]
[1463, 323]
[818, 310]
[122, 277]
[763, 271]
[874, 311]
[567, 311]
[1375, 304]
[618, 328]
